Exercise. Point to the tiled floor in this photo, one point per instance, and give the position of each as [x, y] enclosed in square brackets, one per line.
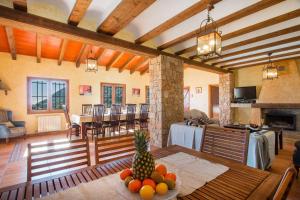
[13, 159]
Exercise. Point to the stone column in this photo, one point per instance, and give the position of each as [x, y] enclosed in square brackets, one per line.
[226, 85]
[166, 97]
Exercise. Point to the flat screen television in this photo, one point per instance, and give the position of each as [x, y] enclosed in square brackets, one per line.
[245, 93]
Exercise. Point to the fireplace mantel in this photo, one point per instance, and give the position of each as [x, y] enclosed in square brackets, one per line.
[276, 105]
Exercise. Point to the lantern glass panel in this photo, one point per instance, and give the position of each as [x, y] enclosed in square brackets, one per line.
[91, 64]
[209, 43]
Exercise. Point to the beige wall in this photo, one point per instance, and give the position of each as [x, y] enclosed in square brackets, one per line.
[15, 72]
[196, 78]
[287, 83]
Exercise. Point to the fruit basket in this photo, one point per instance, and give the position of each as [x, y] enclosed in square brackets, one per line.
[145, 180]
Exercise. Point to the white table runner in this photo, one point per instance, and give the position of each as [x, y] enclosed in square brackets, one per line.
[192, 173]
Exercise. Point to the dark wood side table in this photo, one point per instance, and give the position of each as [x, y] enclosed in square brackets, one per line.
[278, 134]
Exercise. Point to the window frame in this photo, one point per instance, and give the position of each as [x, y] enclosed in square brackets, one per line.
[113, 85]
[49, 98]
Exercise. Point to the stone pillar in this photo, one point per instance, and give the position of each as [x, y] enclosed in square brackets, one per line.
[226, 85]
[166, 97]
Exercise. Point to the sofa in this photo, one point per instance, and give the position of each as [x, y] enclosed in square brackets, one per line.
[197, 117]
[10, 128]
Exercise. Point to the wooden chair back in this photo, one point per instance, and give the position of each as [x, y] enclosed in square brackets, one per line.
[115, 113]
[224, 142]
[130, 112]
[98, 113]
[144, 111]
[285, 184]
[112, 148]
[57, 157]
[86, 109]
[67, 116]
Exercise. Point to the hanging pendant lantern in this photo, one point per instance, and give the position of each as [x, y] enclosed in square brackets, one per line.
[209, 40]
[91, 63]
[270, 70]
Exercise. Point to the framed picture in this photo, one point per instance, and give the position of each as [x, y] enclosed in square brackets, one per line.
[136, 91]
[198, 90]
[85, 90]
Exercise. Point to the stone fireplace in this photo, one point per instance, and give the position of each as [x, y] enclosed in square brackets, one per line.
[279, 99]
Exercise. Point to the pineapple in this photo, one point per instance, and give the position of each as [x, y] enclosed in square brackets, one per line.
[143, 161]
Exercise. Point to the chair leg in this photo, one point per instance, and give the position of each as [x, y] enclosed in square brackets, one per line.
[7, 140]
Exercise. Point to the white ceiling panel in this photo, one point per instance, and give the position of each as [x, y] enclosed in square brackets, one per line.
[277, 27]
[97, 13]
[58, 10]
[159, 12]
[221, 10]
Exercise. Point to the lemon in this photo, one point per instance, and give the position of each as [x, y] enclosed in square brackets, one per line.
[162, 188]
[147, 192]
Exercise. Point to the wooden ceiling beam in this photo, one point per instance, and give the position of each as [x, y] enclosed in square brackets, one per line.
[79, 58]
[128, 63]
[20, 5]
[263, 63]
[225, 20]
[262, 37]
[38, 47]
[146, 69]
[11, 42]
[255, 27]
[78, 11]
[264, 46]
[122, 15]
[258, 54]
[29, 22]
[115, 59]
[177, 19]
[132, 70]
[261, 59]
[62, 51]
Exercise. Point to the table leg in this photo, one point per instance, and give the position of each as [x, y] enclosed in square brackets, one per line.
[276, 142]
[83, 131]
[281, 139]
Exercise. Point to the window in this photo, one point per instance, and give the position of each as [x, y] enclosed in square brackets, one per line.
[46, 95]
[147, 95]
[113, 94]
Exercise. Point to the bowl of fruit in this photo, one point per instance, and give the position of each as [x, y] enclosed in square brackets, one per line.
[145, 179]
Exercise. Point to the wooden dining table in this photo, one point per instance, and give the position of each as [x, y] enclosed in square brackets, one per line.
[239, 182]
[83, 119]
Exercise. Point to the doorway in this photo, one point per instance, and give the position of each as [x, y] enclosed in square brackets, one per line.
[213, 101]
[186, 98]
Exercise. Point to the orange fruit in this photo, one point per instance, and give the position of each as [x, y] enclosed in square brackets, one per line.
[149, 182]
[147, 192]
[170, 176]
[161, 188]
[125, 173]
[161, 169]
[134, 185]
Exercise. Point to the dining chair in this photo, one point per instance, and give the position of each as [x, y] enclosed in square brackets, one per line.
[285, 184]
[114, 118]
[86, 109]
[225, 142]
[52, 158]
[144, 116]
[97, 126]
[113, 148]
[72, 128]
[129, 122]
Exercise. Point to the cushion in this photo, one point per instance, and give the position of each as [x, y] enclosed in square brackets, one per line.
[17, 131]
[3, 116]
[8, 124]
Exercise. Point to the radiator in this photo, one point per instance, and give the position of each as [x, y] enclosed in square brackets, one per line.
[49, 123]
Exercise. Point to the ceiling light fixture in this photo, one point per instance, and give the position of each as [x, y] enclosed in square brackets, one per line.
[270, 70]
[91, 63]
[209, 40]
